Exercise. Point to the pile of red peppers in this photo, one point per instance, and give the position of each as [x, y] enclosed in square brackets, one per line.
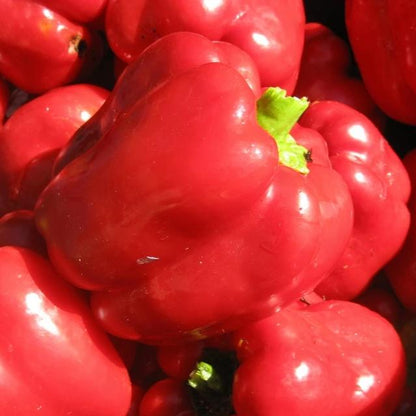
[208, 207]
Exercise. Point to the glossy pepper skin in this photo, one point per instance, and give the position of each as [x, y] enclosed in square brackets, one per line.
[181, 218]
[401, 270]
[33, 135]
[325, 73]
[55, 359]
[379, 187]
[77, 10]
[270, 31]
[383, 40]
[333, 358]
[34, 40]
[160, 62]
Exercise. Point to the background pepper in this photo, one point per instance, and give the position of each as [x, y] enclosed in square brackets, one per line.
[270, 31]
[382, 37]
[35, 39]
[379, 186]
[54, 357]
[33, 135]
[330, 358]
[401, 271]
[326, 73]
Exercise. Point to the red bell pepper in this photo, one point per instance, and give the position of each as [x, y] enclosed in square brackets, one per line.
[41, 50]
[185, 219]
[401, 271]
[270, 31]
[325, 73]
[383, 39]
[54, 358]
[167, 397]
[333, 358]
[379, 186]
[31, 137]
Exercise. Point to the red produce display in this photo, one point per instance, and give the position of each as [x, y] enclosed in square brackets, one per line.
[207, 207]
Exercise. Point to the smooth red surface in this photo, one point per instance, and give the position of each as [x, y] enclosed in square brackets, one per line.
[379, 187]
[383, 38]
[181, 218]
[55, 359]
[41, 50]
[270, 31]
[325, 73]
[402, 269]
[78, 10]
[32, 136]
[167, 397]
[161, 62]
[333, 358]
[178, 361]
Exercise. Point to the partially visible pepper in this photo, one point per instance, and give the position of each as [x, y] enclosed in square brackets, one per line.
[270, 31]
[401, 270]
[326, 73]
[379, 186]
[383, 38]
[41, 49]
[332, 358]
[33, 135]
[54, 358]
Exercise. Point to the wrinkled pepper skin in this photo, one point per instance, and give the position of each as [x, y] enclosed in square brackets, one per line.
[270, 31]
[35, 39]
[333, 358]
[325, 73]
[401, 270]
[181, 219]
[33, 135]
[379, 187]
[55, 359]
[383, 39]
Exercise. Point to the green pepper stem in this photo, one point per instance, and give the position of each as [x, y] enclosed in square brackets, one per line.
[205, 378]
[277, 113]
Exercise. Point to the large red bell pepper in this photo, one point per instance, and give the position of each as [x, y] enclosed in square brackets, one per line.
[333, 358]
[383, 38]
[54, 358]
[41, 49]
[379, 186]
[185, 218]
[270, 31]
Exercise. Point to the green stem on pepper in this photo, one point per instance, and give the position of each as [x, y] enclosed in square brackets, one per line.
[277, 113]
